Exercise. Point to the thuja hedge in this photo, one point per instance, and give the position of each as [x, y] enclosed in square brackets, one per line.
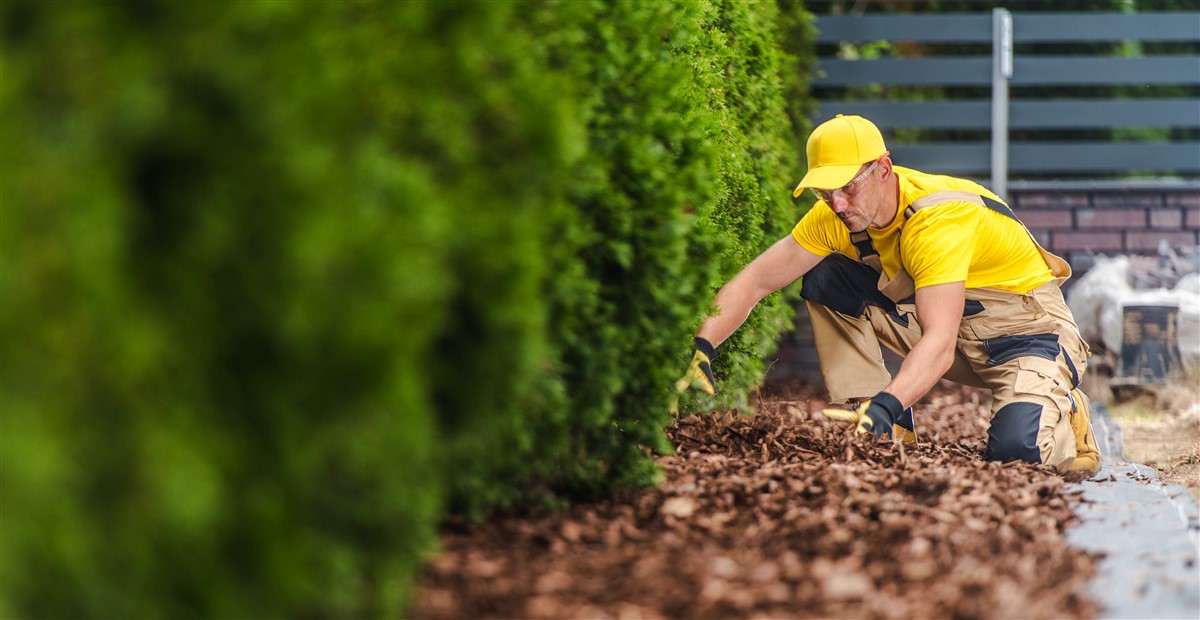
[283, 284]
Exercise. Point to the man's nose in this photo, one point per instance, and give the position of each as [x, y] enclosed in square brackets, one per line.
[838, 202]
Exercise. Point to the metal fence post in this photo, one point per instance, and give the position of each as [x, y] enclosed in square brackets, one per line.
[1002, 70]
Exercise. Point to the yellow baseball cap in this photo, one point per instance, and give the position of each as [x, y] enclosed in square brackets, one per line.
[836, 150]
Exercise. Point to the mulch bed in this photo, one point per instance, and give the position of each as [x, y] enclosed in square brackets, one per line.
[782, 514]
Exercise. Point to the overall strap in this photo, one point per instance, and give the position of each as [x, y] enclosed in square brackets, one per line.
[866, 251]
[928, 200]
[899, 288]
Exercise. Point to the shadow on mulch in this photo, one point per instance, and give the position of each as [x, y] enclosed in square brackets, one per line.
[782, 514]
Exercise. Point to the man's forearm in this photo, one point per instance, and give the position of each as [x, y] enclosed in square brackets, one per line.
[939, 310]
[921, 369]
[734, 302]
[780, 265]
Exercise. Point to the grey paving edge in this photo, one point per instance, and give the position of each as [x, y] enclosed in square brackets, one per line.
[1149, 533]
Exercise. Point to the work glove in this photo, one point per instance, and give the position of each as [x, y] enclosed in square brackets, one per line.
[881, 416]
[905, 427]
[699, 372]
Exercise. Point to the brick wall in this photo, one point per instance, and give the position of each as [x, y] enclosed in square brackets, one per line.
[1075, 223]
[1078, 224]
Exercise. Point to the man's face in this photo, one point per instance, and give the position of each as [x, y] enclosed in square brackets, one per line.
[857, 202]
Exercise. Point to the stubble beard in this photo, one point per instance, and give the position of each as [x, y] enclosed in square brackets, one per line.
[851, 228]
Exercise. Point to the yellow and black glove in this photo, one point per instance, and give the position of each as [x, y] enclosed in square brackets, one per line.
[905, 427]
[699, 372]
[882, 415]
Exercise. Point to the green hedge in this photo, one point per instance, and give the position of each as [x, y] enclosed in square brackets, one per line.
[283, 283]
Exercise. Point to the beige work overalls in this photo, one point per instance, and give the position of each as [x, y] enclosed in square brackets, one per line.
[1024, 348]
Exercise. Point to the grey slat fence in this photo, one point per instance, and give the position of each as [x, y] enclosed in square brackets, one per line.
[1000, 113]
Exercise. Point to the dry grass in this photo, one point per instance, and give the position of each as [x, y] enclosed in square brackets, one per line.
[1161, 428]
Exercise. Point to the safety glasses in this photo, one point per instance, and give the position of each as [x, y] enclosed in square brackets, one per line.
[849, 189]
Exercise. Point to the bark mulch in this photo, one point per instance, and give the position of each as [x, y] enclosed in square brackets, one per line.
[782, 514]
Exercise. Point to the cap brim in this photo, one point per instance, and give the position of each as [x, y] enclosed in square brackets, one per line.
[827, 177]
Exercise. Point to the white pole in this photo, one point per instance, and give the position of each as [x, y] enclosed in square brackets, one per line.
[1002, 69]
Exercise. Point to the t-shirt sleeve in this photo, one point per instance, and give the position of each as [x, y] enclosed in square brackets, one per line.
[821, 232]
[937, 245]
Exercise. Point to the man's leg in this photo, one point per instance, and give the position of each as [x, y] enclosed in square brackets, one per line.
[1032, 358]
[1031, 409]
[1074, 353]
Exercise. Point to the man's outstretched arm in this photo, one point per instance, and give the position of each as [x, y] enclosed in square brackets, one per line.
[780, 265]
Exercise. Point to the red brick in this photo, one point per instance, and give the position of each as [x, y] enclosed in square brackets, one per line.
[1045, 218]
[1166, 218]
[1144, 241]
[1049, 199]
[1042, 236]
[1112, 219]
[1127, 199]
[1090, 241]
[1191, 219]
[1184, 199]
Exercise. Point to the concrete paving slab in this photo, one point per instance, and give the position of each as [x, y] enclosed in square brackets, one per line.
[1149, 533]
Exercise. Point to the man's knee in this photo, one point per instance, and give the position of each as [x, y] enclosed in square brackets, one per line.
[1014, 432]
[843, 284]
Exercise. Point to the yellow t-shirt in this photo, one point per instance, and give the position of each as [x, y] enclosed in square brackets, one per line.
[952, 241]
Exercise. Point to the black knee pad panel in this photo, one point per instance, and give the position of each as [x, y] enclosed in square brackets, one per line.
[1013, 434]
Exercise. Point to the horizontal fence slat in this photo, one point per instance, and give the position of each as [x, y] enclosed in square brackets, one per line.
[923, 71]
[1042, 157]
[1104, 113]
[1104, 156]
[1039, 114]
[967, 27]
[923, 114]
[1104, 70]
[958, 157]
[1068, 27]
[1027, 27]
[1027, 71]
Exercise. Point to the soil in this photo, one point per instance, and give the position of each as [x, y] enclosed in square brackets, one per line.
[782, 514]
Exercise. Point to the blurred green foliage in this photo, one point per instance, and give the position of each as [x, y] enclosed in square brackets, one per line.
[284, 282]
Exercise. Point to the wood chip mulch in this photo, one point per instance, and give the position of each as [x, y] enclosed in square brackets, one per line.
[783, 515]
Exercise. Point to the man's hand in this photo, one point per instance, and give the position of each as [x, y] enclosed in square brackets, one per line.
[699, 372]
[873, 416]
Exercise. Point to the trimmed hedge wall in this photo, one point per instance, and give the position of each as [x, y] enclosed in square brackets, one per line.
[283, 283]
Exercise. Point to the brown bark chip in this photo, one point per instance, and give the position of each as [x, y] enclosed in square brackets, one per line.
[784, 515]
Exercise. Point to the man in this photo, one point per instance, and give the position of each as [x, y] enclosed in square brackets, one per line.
[938, 269]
